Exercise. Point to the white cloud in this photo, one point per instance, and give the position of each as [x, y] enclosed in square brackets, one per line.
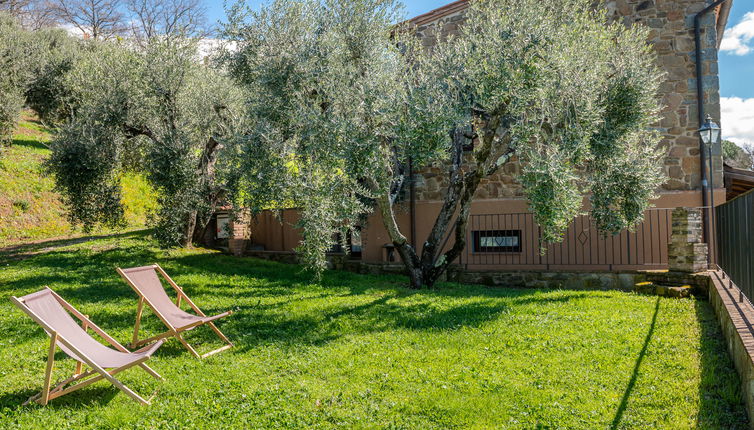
[738, 39]
[209, 46]
[737, 119]
[72, 30]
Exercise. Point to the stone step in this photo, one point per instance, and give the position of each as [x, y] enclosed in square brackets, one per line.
[663, 290]
[698, 281]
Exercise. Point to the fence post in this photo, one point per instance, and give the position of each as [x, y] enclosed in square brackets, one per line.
[686, 250]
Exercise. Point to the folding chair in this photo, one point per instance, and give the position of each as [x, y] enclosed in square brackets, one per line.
[146, 283]
[51, 312]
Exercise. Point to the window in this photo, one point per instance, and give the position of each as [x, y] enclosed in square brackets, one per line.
[336, 246]
[353, 242]
[222, 229]
[497, 241]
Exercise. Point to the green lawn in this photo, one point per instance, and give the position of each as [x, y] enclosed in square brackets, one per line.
[362, 351]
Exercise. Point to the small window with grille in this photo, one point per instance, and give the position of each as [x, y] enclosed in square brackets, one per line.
[497, 241]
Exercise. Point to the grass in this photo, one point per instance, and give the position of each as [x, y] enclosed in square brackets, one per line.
[364, 352]
[30, 208]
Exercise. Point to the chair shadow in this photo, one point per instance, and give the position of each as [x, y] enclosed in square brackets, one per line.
[86, 397]
[635, 375]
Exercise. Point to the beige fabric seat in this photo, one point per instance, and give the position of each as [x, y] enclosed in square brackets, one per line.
[52, 312]
[145, 281]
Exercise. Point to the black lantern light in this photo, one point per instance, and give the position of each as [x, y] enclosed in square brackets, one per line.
[710, 132]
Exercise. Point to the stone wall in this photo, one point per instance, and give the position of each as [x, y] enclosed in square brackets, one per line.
[686, 251]
[736, 318]
[240, 233]
[671, 25]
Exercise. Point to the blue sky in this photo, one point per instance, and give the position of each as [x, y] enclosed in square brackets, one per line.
[736, 62]
[737, 74]
[737, 65]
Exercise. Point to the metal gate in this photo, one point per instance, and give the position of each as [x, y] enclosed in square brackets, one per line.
[735, 241]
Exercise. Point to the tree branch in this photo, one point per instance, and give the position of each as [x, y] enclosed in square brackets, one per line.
[450, 203]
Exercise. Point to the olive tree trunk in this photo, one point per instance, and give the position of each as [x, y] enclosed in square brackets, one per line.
[427, 267]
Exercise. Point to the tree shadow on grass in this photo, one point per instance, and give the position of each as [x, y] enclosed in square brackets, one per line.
[26, 250]
[635, 374]
[400, 310]
[386, 304]
[87, 278]
[721, 402]
[29, 141]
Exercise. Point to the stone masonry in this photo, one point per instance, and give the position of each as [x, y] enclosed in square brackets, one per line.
[735, 317]
[671, 25]
[686, 251]
[240, 233]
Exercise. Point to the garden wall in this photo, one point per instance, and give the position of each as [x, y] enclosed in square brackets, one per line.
[736, 317]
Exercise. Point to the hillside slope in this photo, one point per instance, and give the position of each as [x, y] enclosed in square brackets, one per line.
[30, 209]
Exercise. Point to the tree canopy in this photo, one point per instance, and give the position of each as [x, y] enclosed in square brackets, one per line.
[156, 110]
[343, 99]
[738, 156]
[13, 74]
[32, 67]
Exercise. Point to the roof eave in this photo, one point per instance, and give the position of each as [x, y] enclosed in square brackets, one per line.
[438, 13]
[722, 20]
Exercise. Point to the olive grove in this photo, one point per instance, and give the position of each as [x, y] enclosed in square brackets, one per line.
[155, 110]
[32, 69]
[342, 100]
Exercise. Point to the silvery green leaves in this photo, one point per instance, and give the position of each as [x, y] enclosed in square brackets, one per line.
[154, 109]
[324, 80]
[343, 98]
[85, 161]
[55, 53]
[13, 75]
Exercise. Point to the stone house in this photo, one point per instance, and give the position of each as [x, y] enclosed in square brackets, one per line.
[502, 234]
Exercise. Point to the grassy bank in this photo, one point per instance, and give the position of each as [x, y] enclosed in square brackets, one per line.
[30, 209]
[363, 351]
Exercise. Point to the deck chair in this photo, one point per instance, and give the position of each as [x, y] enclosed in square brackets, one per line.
[146, 283]
[52, 312]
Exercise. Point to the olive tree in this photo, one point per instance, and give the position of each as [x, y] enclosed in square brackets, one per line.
[32, 69]
[738, 156]
[347, 100]
[13, 75]
[54, 54]
[155, 110]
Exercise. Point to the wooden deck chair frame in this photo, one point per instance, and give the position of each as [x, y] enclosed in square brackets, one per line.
[173, 331]
[80, 377]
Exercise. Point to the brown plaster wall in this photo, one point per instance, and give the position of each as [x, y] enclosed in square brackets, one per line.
[275, 230]
[272, 235]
